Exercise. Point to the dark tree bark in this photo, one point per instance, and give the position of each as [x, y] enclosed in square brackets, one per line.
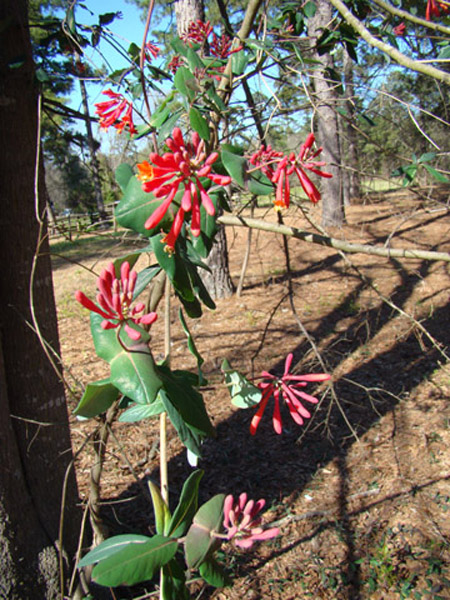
[35, 448]
[327, 123]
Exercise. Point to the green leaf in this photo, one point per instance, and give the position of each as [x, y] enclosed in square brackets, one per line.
[179, 46]
[173, 582]
[166, 130]
[160, 508]
[310, 9]
[133, 372]
[427, 157]
[254, 44]
[123, 175]
[243, 393]
[239, 62]
[199, 123]
[111, 546]
[134, 52]
[144, 278]
[107, 18]
[438, 176]
[187, 506]
[136, 206]
[194, 60]
[139, 412]
[181, 79]
[410, 173]
[174, 266]
[444, 53]
[213, 573]
[191, 439]
[192, 347]
[200, 541]
[97, 398]
[235, 165]
[135, 563]
[259, 184]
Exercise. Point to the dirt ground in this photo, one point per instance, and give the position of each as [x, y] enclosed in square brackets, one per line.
[362, 493]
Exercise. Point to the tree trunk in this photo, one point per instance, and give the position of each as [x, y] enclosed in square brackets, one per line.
[327, 123]
[352, 176]
[187, 11]
[35, 448]
[93, 154]
[218, 282]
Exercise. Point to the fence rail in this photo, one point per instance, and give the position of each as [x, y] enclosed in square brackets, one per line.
[74, 224]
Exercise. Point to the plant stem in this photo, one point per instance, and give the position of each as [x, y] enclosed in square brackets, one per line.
[163, 417]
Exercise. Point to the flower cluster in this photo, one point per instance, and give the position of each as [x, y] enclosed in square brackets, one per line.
[242, 523]
[185, 164]
[289, 387]
[434, 9]
[399, 29]
[175, 64]
[265, 159]
[151, 51]
[221, 46]
[117, 112]
[197, 32]
[114, 298]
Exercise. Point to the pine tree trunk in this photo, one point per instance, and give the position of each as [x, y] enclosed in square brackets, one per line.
[35, 448]
[351, 145]
[327, 124]
[187, 11]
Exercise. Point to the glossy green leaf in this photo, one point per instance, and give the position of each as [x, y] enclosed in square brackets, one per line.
[166, 129]
[173, 582]
[191, 439]
[200, 541]
[213, 573]
[310, 9]
[181, 79]
[259, 184]
[235, 165]
[160, 509]
[136, 206]
[194, 60]
[144, 278]
[187, 506]
[174, 266]
[192, 347]
[97, 398]
[243, 393]
[239, 62]
[123, 175]
[427, 157]
[199, 123]
[139, 412]
[135, 563]
[111, 546]
[178, 46]
[133, 372]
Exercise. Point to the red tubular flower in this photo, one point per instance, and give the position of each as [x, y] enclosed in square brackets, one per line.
[289, 386]
[151, 51]
[185, 164]
[242, 523]
[434, 9]
[115, 297]
[110, 112]
[197, 32]
[266, 158]
[221, 46]
[400, 29]
[175, 64]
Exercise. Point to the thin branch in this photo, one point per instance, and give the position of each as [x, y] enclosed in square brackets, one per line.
[395, 54]
[403, 14]
[323, 240]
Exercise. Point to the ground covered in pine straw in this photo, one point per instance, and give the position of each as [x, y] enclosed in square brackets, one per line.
[362, 493]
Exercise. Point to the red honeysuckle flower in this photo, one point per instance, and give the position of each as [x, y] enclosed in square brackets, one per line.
[434, 9]
[278, 168]
[110, 112]
[197, 32]
[400, 29]
[242, 523]
[115, 298]
[185, 164]
[290, 388]
[221, 46]
[175, 64]
[151, 51]
[299, 164]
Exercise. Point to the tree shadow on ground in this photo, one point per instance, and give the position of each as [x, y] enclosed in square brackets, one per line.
[278, 467]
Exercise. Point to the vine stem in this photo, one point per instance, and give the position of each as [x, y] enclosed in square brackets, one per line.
[164, 480]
